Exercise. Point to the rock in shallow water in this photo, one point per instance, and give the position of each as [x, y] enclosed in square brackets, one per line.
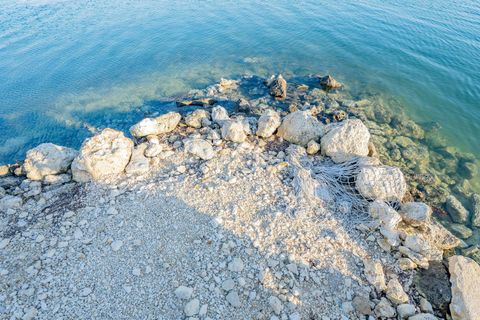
[300, 127]
[278, 87]
[456, 210]
[465, 279]
[47, 159]
[102, 155]
[329, 82]
[346, 140]
[155, 126]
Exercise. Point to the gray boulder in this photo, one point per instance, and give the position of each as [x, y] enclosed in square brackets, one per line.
[234, 131]
[456, 210]
[415, 213]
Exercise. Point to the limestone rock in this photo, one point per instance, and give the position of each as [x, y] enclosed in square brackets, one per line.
[138, 163]
[275, 304]
[219, 115]
[200, 148]
[102, 155]
[405, 310]
[395, 292]
[384, 309]
[233, 298]
[9, 202]
[183, 292]
[465, 279]
[268, 123]
[155, 126]
[195, 118]
[423, 316]
[233, 131]
[381, 183]
[313, 147]
[300, 127]
[456, 210]
[374, 274]
[329, 82]
[278, 87]
[415, 213]
[47, 159]
[346, 140]
[389, 220]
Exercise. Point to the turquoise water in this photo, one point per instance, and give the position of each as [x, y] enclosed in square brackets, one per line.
[65, 65]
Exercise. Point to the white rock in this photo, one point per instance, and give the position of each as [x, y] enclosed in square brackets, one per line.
[192, 308]
[138, 162]
[415, 213]
[313, 147]
[102, 155]
[47, 159]
[195, 118]
[346, 140]
[374, 274]
[395, 292]
[236, 265]
[183, 292]
[160, 125]
[389, 220]
[423, 316]
[116, 245]
[275, 304]
[268, 123]
[219, 115]
[381, 183]
[233, 131]
[300, 127]
[200, 148]
[234, 299]
[465, 279]
[10, 202]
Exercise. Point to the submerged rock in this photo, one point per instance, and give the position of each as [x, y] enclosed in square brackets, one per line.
[456, 210]
[465, 279]
[476, 210]
[102, 155]
[155, 126]
[200, 148]
[329, 82]
[47, 159]
[278, 87]
[381, 183]
[268, 123]
[300, 127]
[346, 140]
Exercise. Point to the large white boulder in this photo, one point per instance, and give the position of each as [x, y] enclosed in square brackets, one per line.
[300, 127]
[381, 183]
[47, 159]
[200, 148]
[102, 155]
[465, 280]
[155, 126]
[234, 131]
[268, 123]
[346, 140]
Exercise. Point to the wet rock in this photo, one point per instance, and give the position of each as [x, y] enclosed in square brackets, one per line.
[200, 148]
[300, 127]
[102, 155]
[465, 279]
[195, 118]
[156, 126]
[456, 210]
[329, 82]
[433, 283]
[219, 115]
[381, 183]
[346, 140]
[476, 210]
[47, 159]
[278, 87]
[268, 123]
[138, 162]
[196, 102]
[461, 230]
[233, 131]
[415, 213]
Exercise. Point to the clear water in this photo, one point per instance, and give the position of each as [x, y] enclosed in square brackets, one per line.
[68, 64]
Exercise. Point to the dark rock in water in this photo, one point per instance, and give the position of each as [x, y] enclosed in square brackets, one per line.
[456, 210]
[467, 169]
[329, 82]
[278, 87]
[243, 105]
[434, 284]
[476, 210]
[196, 102]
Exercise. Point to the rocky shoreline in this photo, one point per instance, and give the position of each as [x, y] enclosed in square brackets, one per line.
[274, 200]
